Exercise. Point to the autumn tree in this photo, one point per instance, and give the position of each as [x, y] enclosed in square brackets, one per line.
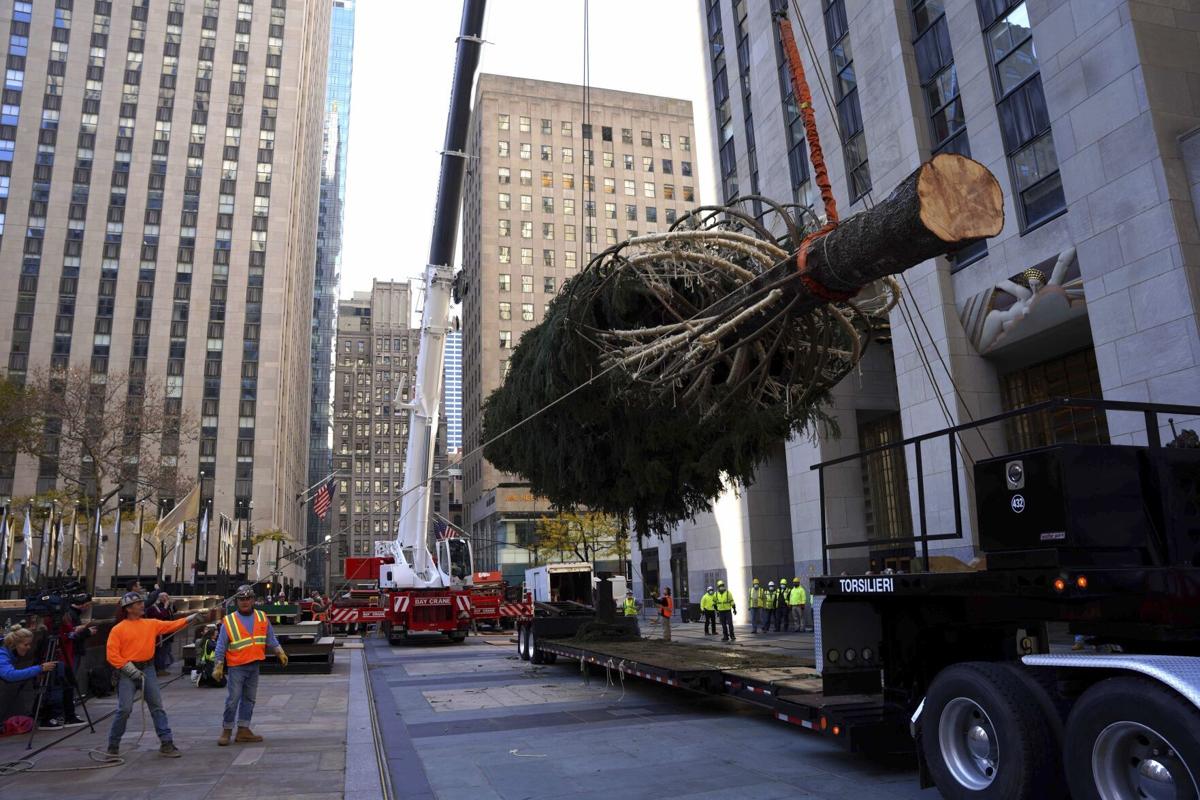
[586, 535]
[109, 435]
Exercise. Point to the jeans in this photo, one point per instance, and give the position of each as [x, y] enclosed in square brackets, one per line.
[726, 625]
[126, 691]
[243, 688]
[710, 622]
[759, 617]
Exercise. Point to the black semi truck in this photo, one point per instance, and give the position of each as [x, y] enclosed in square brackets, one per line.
[957, 667]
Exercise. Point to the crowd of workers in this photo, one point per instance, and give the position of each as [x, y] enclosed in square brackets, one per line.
[781, 608]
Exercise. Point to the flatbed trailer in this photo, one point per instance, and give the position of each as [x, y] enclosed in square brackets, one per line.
[956, 668]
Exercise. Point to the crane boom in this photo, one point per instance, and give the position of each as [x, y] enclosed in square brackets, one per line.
[414, 566]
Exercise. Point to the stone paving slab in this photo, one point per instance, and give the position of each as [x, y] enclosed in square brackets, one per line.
[302, 717]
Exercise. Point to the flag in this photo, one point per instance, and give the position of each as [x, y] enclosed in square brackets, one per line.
[441, 530]
[185, 509]
[258, 562]
[323, 499]
[27, 533]
[204, 535]
[178, 544]
[58, 543]
[99, 541]
[5, 530]
[43, 551]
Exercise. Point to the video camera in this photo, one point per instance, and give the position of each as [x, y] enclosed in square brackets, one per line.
[54, 601]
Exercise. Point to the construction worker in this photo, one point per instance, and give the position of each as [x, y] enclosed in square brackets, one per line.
[782, 606]
[667, 608]
[630, 607]
[726, 608]
[770, 600]
[708, 607]
[130, 651]
[242, 645]
[798, 600]
[757, 608]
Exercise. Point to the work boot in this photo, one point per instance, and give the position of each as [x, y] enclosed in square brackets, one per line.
[247, 735]
[113, 750]
[169, 750]
[226, 733]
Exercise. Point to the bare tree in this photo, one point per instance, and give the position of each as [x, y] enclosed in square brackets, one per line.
[110, 435]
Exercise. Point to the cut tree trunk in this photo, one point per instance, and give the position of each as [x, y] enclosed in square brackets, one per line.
[948, 203]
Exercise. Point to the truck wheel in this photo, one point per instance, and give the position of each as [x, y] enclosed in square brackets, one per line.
[457, 636]
[535, 656]
[982, 736]
[523, 642]
[1132, 737]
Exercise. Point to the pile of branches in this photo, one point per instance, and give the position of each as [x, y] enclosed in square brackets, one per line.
[673, 364]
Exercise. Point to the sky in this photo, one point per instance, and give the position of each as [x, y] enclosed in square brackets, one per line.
[403, 65]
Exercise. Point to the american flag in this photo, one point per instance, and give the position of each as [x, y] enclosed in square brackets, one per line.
[323, 499]
[441, 530]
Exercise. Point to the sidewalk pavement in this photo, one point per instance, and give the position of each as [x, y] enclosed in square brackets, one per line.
[303, 719]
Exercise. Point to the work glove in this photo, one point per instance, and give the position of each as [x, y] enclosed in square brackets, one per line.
[133, 673]
[283, 657]
[195, 615]
[218, 670]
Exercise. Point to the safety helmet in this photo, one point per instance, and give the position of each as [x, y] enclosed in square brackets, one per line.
[709, 589]
[782, 581]
[755, 581]
[720, 583]
[796, 581]
[245, 591]
[129, 598]
[770, 583]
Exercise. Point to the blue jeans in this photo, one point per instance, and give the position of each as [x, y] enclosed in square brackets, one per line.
[758, 616]
[239, 702]
[126, 691]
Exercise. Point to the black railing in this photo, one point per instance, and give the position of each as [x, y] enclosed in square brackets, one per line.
[1150, 412]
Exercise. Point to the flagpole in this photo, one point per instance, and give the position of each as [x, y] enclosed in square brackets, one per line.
[117, 558]
[95, 565]
[142, 511]
[3, 552]
[26, 535]
[49, 545]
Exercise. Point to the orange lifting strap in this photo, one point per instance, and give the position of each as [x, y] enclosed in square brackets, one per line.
[804, 101]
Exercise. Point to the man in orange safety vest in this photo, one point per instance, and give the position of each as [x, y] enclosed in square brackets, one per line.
[241, 646]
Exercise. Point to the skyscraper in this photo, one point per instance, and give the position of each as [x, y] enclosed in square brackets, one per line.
[196, 124]
[548, 189]
[376, 367]
[329, 246]
[452, 389]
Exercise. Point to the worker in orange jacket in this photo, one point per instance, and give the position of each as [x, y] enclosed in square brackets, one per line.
[130, 651]
[242, 645]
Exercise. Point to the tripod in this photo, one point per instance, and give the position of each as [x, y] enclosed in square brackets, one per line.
[50, 654]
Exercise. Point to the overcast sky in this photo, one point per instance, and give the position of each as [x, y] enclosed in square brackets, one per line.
[403, 63]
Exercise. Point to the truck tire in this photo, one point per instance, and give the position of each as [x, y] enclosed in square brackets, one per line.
[1132, 737]
[523, 642]
[983, 736]
[535, 656]
[457, 636]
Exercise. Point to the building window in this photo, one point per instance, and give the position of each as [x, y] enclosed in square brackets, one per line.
[547, 180]
[505, 175]
[527, 230]
[504, 254]
[547, 258]
[505, 201]
[546, 129]
[526, 283]
[548, 284]
[647, 163]
[631, 188]
[685, 144]
[504, 227]
[505, 309]
[568, 181]
[548, 231]
[527, 311]
[547, 152]
[505, 340]
[1072, 375]
[547, 204]
[568, 155]
[526, 177]
[647, 139]
[502, 149]
[1021, 106]
[524, 124]
[565, 129]
[605, 133]
[527, 256]
[527, 202]
[610, 210]
[849, 113]
[608, 160]
[502, 122]
[886, 507]
[610, 185]
[505, 281]
[648, 188]
[526, 151]
[587, 130]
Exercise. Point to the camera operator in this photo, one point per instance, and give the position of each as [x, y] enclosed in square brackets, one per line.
[17, 644]
[73, 634]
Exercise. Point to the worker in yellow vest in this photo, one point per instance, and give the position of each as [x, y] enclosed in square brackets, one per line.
[757, 607]
[781, 606]
[726, 608]
[770, 601]
[630, 607]
[708, 607]
[798, 600]
[241, 646]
